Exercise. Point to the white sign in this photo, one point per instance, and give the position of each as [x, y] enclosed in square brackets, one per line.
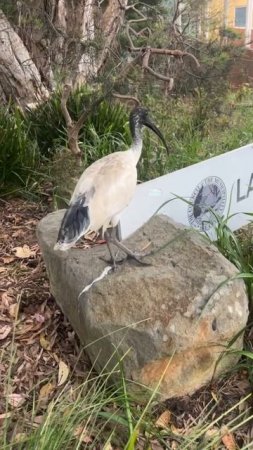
[223, 184]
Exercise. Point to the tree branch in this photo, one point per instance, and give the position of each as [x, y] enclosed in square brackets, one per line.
[65, 96]
[73, 128]
[147, 51]
[126, 97]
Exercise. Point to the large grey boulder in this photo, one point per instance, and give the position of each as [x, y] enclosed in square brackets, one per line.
[171, 319]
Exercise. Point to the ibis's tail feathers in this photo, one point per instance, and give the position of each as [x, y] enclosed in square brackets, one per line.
[74, 224]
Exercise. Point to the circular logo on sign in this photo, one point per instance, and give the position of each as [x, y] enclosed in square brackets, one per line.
[209, 195]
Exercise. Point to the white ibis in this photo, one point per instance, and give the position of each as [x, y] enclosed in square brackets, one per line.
[105, 189]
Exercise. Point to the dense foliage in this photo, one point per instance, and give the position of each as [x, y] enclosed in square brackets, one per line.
[18, 152]
[196, 127]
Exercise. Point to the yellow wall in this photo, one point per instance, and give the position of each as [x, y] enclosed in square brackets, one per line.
[216, 11]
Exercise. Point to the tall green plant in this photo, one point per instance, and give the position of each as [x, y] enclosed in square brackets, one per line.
[18, 152]
[232, 248]
[47, 125]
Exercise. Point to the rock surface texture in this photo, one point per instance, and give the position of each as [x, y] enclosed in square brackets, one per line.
[171, 319]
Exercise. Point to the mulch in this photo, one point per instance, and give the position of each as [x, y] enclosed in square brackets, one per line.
[34, 334]
[36, 339]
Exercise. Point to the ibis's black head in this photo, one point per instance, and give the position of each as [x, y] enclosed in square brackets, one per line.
[138, 118]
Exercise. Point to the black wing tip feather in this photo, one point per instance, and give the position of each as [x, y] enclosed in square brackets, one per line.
[75, 221]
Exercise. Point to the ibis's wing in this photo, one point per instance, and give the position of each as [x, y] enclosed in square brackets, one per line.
[112, 180]
[75, 221]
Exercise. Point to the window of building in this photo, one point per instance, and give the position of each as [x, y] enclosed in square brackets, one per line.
[240, 17]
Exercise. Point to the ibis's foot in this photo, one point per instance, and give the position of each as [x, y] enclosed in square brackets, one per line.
[138, 258]
[119, 262]
[114, 263]
[129, 253]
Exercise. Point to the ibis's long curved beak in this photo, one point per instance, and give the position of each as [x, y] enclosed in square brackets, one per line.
[148, 123]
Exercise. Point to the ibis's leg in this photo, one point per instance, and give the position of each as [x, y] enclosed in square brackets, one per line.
[113, 259]
[110, 251]
[130, 254]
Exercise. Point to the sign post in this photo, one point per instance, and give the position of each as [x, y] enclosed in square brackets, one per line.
[223, 184]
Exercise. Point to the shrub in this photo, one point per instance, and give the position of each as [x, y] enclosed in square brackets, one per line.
[47, 125]
[18, 152]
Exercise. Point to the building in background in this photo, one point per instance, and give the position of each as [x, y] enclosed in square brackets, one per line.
[229, 19]
[234, 15]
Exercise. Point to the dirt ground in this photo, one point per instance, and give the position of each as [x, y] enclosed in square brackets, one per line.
[35, 337]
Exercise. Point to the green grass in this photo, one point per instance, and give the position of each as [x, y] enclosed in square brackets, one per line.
[47, 126]
[197, 129]
[94, 415]
[233, 248]
[19, 155]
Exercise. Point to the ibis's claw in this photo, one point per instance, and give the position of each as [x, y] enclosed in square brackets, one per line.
[137, 257]
[114, 263]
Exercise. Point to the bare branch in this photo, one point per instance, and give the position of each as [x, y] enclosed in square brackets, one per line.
[126, 97]
[147, 52]
[65, 96]
[178, 11]
[145, 66]
[73, 128]
[57, 31]
[166, 51]
[160, 76]
[141, 32]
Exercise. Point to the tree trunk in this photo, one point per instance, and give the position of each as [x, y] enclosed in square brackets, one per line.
[19, 77]
[80, 23]
[55, 40]
[111, 21]
[73, 40]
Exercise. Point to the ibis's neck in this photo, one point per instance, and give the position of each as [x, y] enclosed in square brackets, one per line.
[136, 146]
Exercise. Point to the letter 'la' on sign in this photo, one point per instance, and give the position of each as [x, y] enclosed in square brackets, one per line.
[222, 183]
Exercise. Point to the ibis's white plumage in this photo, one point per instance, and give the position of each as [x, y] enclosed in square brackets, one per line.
[111, 181]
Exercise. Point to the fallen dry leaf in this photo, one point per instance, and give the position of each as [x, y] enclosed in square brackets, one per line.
[32, 222]
[23, 252]
[57, 359]
[6, 299]
[45, 391]
[8, 259]
[81, 433]
[5, 415]
[39, 318]
[214, 397]
[19, 438]
[4, 331]
[15, 400]
[44, 343]
[108, 446]
[164, 419]
[177, 431]
[154, 444]
[38, 420]
[13, 310]
[18, 233]
[210, 434]
[228, 439]
[63, 373]
[3, 269]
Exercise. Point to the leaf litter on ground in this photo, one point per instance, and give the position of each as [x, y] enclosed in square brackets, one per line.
[43, 338]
